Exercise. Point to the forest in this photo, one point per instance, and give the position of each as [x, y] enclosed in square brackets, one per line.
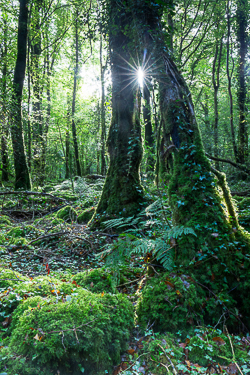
[124, 187]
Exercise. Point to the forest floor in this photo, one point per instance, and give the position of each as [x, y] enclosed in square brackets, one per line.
[45, 239]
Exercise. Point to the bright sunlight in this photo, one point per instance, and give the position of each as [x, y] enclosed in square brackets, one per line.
[140, 76]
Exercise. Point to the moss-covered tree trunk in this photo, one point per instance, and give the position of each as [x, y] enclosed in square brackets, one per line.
[21, 169]
[122, 193]
[198, 194]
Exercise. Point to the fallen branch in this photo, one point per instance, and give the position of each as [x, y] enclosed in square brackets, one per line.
[47, 236]
[33, 193]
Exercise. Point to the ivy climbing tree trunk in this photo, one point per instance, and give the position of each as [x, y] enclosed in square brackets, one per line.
[21, 170]
[122, 193]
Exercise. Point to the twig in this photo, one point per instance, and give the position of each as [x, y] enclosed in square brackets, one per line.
[174, 370]
[234, 360]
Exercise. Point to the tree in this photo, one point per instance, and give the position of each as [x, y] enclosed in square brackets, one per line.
[76, 72]
[21, 169]
[198, 193]
[122, 192]
[242, 38]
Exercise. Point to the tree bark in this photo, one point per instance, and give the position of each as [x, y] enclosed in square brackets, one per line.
[103, 120]
[22, 174]
[242, 36]
[73, 125]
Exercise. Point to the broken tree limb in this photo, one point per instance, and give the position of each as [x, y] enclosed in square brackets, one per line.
[241, 167]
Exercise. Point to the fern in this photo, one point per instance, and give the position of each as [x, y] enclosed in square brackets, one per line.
[176, 232]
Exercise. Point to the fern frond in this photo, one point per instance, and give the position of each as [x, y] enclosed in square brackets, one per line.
[178, 231]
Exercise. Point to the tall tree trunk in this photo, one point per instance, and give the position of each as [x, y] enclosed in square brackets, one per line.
[216, 84]
[242, 36]
[44, 138]
[29, 137]
[103, 120]
[4, 116]
[78, 168]
[37, 123]
[67, 143]
[149, 135]
[122, 193]
[21, 169]
[229, 80]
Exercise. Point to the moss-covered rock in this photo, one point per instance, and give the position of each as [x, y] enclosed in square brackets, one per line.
[20, 288]
[86, 215]
[67, 213]
[175, 302]
[84, 333]
[97, 280]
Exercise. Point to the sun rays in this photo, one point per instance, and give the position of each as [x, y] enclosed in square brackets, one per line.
[140, 73]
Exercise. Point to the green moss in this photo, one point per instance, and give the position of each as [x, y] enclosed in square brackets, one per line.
[2, 238]
[5, 226]
[20, 241]
[67, 213]
[44, 334]
[5, 220]
[97, 280]
[27, 230]
[9, 278]
[43, 286]
[86, 215]
[57, 221]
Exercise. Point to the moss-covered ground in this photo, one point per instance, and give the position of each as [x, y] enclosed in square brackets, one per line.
[112, 301]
